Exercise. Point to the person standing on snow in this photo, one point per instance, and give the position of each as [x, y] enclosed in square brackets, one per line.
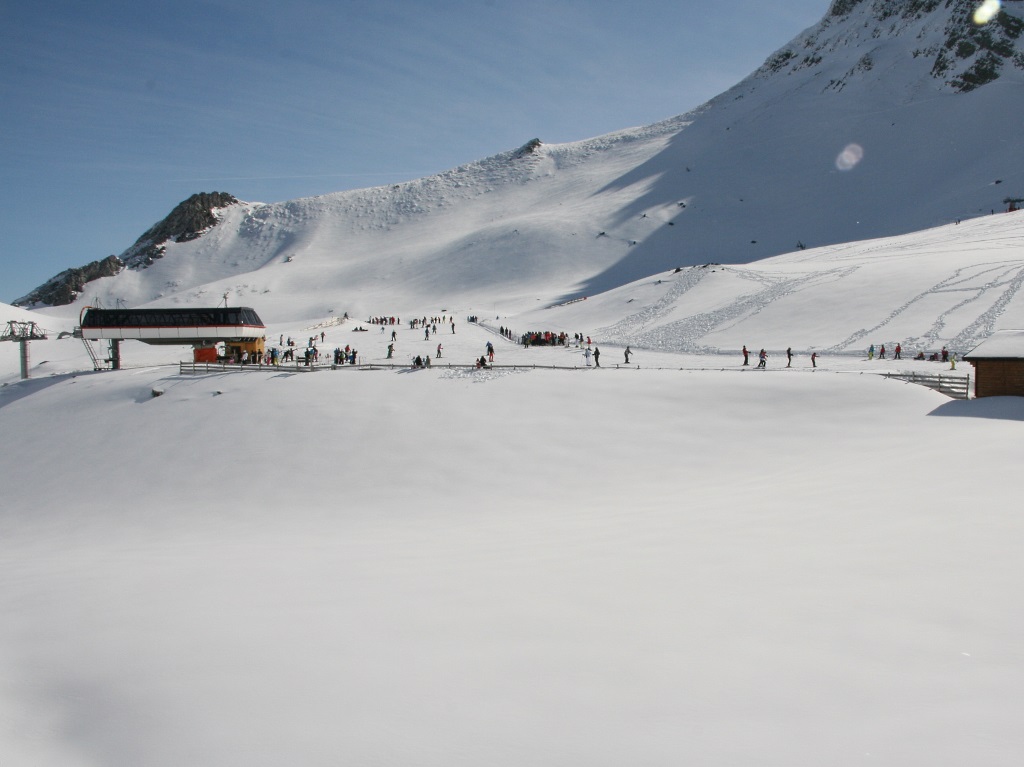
[746, 355]
[439, 351]
[763, 359]
[586, 355]
[627, 353]
[897, 352]
[789, 356]
[597, 357]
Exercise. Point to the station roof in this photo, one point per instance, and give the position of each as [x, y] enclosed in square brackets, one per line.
[1003, 344]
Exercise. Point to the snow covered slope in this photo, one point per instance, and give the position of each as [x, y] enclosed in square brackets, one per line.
[678, 561]
[862, 127]
[451, 568]
[952, 285]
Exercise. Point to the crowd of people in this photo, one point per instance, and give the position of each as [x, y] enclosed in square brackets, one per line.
[551, 338]
[348, 355]
[544, 338]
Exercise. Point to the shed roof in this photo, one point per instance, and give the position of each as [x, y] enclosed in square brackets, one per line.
[1003, 344]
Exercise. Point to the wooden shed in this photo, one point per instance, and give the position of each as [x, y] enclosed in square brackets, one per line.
[999, 364]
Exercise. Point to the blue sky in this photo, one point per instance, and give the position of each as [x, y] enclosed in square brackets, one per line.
[113, 112]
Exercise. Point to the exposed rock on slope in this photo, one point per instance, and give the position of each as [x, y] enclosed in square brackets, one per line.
[963, 54]
[66, 286]
[188, 221]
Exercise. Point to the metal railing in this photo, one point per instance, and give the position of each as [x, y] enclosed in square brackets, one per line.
[957, 387]
[200, 368]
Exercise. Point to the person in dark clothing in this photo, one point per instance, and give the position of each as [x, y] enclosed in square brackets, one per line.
[746, 355]
[597, 357]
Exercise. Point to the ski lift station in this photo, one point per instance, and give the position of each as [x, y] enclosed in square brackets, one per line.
[239, 328]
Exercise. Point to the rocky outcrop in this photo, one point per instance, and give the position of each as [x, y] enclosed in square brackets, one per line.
[530, 147]
[188, 221]
[68, 285]
[964, 53]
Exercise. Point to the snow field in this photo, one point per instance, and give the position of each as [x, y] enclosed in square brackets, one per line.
[452, 567]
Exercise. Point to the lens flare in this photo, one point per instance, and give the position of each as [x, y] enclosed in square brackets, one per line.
[850, 157]
[985, 12]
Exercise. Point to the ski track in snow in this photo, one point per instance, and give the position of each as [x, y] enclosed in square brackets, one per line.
[685, 335]
[974, 332]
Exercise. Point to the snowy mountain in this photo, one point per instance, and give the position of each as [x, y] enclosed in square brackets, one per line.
[884, 118]
[673, 559]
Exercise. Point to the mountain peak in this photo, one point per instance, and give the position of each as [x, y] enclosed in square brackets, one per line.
[188, 221]
[950, 51]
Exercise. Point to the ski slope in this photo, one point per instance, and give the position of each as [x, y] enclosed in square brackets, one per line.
[679, 561]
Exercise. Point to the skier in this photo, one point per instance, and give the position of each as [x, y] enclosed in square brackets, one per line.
[627, 353]
[597, 357]
[586, 355]
[814, 359]
[789, 356]
[897, 352]
[391, 350]
[763, 359]
[871, 352]
[439, 351]
[881, 352]
[746, 355]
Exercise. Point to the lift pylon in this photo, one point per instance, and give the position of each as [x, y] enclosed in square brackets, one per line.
[23, 332]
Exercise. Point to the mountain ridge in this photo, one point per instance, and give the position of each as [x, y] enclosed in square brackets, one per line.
[751, 174]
